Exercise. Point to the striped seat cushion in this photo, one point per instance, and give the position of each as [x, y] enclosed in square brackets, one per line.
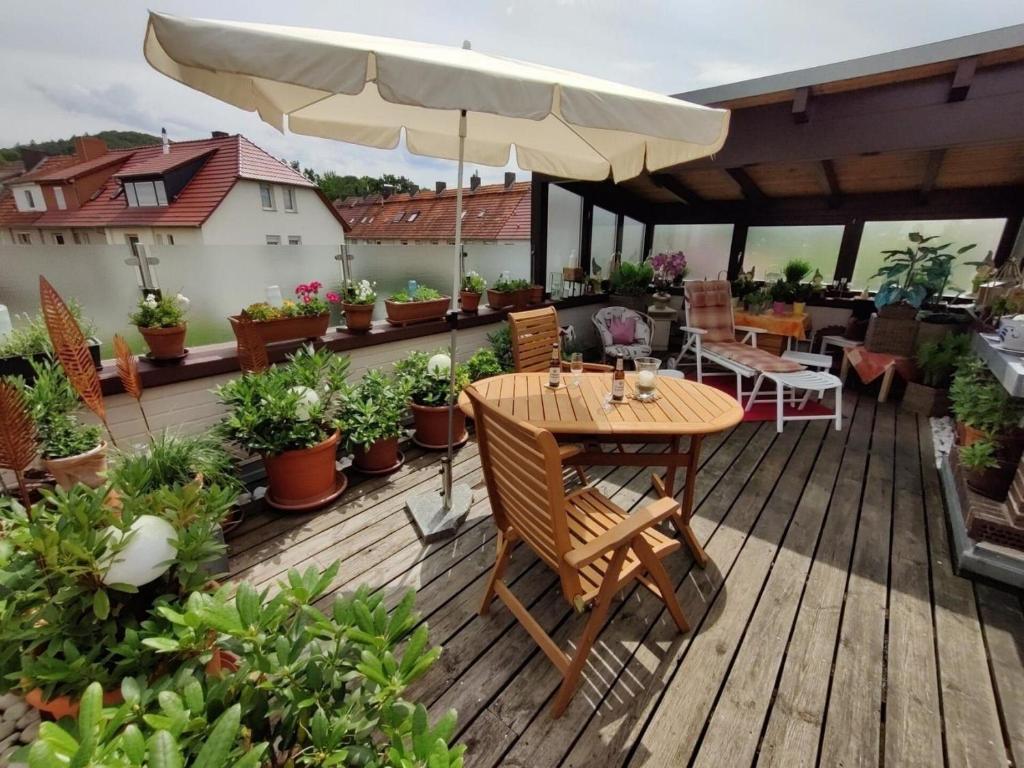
[752, 357]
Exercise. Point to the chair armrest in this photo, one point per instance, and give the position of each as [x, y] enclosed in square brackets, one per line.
[691, 329]
[622, 533]
[749, 329]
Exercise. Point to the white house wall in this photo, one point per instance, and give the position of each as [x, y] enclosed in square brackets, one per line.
[241, 220]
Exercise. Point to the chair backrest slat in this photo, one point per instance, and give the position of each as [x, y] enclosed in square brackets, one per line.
[533, 332]
[709, 306]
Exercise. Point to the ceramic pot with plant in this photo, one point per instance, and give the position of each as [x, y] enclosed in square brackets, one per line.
[985, 410]
[758, 301]
[801, 293]
[473, 286]
[984, 471]
[426, 379]
[630, 283]
[372, 420]
[29, 340]
[170, 460]
[289, 414]
[669, 269]
[916, 272]
[72, 452]
[357, 299]
[782, 294]
[503, 294]
[421, 306]
[304, 317]
[114, 567]
[936, 362]
[161, 321]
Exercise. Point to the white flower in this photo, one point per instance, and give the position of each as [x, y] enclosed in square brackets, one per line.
[439, 363]
[150, 301]
[182, 300]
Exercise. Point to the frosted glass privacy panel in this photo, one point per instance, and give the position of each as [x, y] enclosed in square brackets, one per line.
[602, 242]
[769, 248]
[95, 276]
[706, 247]
[565, 210]
[632, 240]
[222, 279]
[890, 235]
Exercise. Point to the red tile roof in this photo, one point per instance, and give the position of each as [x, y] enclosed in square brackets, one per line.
[230, 158]
[493, 212]
[47, 165]
[72, 171]
[10, 216]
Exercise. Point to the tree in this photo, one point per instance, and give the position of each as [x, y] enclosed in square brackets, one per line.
[337, 187]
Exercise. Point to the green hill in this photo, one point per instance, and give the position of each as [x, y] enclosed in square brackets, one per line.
[114, 140]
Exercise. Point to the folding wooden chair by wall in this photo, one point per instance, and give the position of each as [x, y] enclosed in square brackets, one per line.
[595, 547]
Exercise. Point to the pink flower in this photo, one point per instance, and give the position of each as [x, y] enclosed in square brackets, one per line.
[315, 286]
[301, 288]
[333, 297]
[305, 298]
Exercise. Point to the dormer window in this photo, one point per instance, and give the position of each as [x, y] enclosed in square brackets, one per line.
[145, 194]
[413, 216]
[30, 201]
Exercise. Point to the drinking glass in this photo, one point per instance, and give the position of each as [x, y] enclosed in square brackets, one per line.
[576, 367]
[647, 377]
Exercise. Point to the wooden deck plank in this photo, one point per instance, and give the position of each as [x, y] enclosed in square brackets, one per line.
[797, 711]
[1003, 622]
[913, 718]
[970, 715]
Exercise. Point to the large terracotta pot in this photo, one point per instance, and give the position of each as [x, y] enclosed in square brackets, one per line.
[378, 458]
[358, 317]
[536, 294]
[65, 706]
[432, 426]
[500, 299]
[165, 343]
[409, 312]
[288, 328]
[968, 434]
[470, 301]
[305, 478]
[521, 299]
[85, 468]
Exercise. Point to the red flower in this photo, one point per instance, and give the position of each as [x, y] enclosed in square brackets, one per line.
[333, 297]
[301, 288]
[305, 298]
[315, 286]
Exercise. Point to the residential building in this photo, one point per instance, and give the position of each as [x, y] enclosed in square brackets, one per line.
[218, 191]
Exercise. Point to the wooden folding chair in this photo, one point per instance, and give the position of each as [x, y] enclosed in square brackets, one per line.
[594, 546]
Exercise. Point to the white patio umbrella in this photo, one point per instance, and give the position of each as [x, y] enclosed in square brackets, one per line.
[451, 103]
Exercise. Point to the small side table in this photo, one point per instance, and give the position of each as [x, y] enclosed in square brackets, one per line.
[662, 318]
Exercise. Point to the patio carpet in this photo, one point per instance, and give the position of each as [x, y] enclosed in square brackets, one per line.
[828, 629]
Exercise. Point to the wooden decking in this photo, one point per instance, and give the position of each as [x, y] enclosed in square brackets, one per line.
[829, 628]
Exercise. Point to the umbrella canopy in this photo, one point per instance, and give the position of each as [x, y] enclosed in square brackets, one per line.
[366, 90]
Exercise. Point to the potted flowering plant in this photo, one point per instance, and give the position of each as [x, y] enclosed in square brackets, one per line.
[503, 294]
[426, 379]
[306, 317]
[161, 321]
[669, 269]
[290, 414]
[29, 340]
[357, 299]
[473, 286]
[372, 418]
[422, 306]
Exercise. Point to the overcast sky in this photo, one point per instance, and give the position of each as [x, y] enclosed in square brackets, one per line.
[75, 67]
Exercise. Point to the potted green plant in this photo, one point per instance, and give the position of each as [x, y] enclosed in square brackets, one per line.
[161, 321]
[795, 271]
[984, 409]
[426, 379]
[72, 452]
[305, 317]
[782, 294]
[984, 471]
[630, 283]
[83, 570]
[741, 288]
[372, 419]
[915, 272]
[520, 294]
[422, 306]
[473, 286]
[483, 364]
[758, 300]
[357, 299]
[503, 294]
[29, 340]
[501, 344]
[801, 293]
[936, 362]
[289, 415]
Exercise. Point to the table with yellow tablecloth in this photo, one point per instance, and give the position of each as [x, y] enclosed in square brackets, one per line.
[788, 324]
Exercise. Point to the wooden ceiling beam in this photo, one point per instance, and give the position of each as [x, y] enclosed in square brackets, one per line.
[931, 173]
[672, 184]
[962, 79]
[801, 98]
[825, 170]
[747, 185]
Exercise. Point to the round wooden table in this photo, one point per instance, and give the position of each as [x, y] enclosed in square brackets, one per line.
[585, 414]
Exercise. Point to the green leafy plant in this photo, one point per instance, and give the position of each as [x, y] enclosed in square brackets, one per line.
[758, 300]
[473, 282]
[917, 271]
[980, 401]
[307, 303]
[422, 293]
[501, 343]
[802, 292]
[62, 625]
[171, 460]
[30, 337]
[796, 270]
[631, 279]
[482, 364]
[165, 312]
[54, 406]
[374, 410]
[428, 385]
[520, 284]
[782, 291]
[979, 455]
[937, 360]
[743, 286]
[505, 284]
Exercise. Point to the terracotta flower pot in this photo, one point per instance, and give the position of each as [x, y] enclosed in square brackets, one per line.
[409, 312]
[500, 299]
[521, 299]
[165, 343]
[377, 458]
[470, 301]
[85, 468]
[968, 434]
[358, 317]
[288, 328]
[536, 294]
[305, 478]
[432, 426]
[65, 706]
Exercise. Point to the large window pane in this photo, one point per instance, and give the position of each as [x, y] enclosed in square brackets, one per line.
[632, 240]
[890, 235]
[769, 248]
[564, 212]
[602, 242]
[706, 247]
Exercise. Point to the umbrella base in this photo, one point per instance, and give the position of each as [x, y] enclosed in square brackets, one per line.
[433, 522]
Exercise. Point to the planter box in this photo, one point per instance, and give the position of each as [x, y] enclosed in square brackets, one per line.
[927, 401]
[536, 294]
[20, 366]
[287, 328]
[500, 299]
[409, 312]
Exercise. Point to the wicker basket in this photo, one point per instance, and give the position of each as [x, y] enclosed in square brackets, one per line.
[891, 335]
[927, 401]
